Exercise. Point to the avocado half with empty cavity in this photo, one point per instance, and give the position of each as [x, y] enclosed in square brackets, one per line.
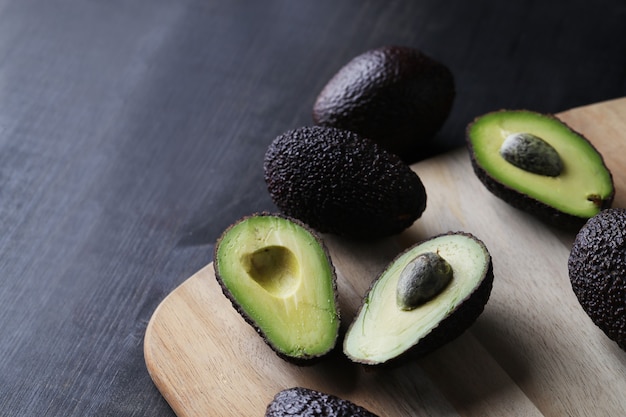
[453, 272]
[278, 275]
[537, 163]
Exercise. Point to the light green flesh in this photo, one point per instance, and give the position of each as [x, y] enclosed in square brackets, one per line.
[281, 277]
[382, 331]
[584, 174]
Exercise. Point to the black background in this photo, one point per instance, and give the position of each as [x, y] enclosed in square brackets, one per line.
[133, 132]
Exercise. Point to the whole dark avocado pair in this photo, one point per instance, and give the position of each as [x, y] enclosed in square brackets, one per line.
[348, 174]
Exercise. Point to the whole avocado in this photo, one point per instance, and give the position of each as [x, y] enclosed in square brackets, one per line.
[305, 402]
[597, 271]
[339, 182]
[395, 95]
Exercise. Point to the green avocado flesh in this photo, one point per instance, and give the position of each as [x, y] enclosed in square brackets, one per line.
[382, 330]
[584, 184]
[279, 277]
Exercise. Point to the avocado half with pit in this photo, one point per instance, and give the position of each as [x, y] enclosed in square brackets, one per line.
[536, 163]
[427, 296]
[278, 275]
[597, 271]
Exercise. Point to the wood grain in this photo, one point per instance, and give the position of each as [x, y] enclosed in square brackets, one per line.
[533, 351]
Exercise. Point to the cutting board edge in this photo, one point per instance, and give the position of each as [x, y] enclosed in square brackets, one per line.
[151, 360]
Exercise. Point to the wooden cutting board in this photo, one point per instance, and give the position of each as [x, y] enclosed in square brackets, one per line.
[533, 352]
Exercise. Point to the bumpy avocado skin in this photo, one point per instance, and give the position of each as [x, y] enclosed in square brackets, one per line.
[339, 182]
[540, 210]
[597, 271]
[452, 326]
[304, 402]
[395, 95]
[299, 361]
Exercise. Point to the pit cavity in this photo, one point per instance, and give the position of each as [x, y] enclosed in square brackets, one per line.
[275, 268]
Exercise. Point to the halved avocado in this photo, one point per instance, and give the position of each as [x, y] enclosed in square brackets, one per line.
[279, 277]
[582, 186]
[305, 402]
[384, 332]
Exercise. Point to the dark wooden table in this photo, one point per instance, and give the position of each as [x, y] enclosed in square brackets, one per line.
[133, 132]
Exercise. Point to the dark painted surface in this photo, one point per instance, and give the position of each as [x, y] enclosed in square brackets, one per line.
[132, 133]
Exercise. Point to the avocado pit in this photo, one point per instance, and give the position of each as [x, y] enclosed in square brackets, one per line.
[531, 153]
[422, 279]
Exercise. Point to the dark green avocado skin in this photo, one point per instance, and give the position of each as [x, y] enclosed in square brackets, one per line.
[536, 208]
[341, 183]
[304, 402]
[597, 271]
[395, 95]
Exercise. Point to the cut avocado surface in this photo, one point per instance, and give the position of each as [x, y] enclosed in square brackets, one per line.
[279, 277]
[383, 331]
[582, 187]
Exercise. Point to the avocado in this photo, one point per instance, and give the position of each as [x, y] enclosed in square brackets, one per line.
[385, 333]
[305, 402]
[396, 96]
[597, 272]
[339, 182]
[278, 275]
[537, 163]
